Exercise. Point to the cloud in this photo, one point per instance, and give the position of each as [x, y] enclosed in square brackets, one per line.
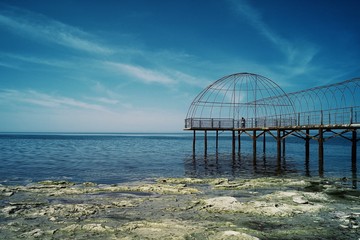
[39, 27]
[7, 65]
[299, 54]
[143, 74]
[46, 100]
[58, 113]
[41, 61]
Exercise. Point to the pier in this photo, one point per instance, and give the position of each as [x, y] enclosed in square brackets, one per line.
[255, 106]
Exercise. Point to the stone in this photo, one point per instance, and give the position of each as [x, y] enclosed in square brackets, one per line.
[235, 235]
[36, 233]
[9, 209]
[300, 200]
[222, 204]
[95, 227]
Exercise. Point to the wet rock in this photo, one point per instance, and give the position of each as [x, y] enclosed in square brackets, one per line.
[279, 204]
[212, 181]
[124, 203]
[56, 183]
[165, 229]
[89, 184]
[20, 208]
[36, 233]
[68, 189]
[260, 183]
[300, 200]
[350, 221]
[5, 192]
[235, 235]
[222, 204]
[317, 197]
[9, 210]
[95, 227]
[70, 210]
[166, 189]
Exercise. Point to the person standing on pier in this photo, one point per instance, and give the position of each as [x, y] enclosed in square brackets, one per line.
[242, 122]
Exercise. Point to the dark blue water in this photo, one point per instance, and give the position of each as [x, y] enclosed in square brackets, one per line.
[113, 158]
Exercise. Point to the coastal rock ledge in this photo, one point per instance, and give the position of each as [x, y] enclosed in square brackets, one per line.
[181, 208]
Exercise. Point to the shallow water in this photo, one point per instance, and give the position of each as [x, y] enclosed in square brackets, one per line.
[113, 158]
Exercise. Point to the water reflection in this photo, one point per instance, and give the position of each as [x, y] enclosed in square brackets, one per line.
[248, 166]
[235, 165]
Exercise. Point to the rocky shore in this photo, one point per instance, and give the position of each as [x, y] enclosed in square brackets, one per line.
[182, 208]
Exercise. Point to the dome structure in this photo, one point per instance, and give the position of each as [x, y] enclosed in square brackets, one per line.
[246, 96]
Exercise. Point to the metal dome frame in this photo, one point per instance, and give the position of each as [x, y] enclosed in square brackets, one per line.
[238, 97]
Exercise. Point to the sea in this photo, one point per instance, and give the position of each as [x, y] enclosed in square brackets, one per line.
[109, 158]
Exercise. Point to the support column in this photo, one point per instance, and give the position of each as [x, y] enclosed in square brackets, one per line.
[307, 145]
[307, 152]
[194, 142]
[205, 142]
[233, 142]
[278, 141]
[353, 148]
[239, 143]
[254, 147]
[217, 140]
[321, 152]
[353, 159]
[284, 144]
[264, 142]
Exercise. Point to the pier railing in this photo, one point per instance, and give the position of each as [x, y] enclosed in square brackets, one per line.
[333, 117]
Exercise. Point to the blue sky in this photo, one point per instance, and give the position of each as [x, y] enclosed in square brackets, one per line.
[135, 66]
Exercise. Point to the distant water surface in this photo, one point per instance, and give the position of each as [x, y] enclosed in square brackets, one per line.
[122, 157]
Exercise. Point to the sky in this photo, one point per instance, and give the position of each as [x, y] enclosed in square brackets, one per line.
[136, 65]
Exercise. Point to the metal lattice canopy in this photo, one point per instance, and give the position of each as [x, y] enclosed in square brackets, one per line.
[333, 96]
[238, 96]
[333, 104]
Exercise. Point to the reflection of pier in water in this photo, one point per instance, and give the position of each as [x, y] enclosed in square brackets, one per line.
[251, 105]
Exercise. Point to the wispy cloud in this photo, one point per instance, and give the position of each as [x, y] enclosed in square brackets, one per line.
[39, 27]
[7, 65]
[36, 60]
[145, 75]
[46, 100]
[299, 54]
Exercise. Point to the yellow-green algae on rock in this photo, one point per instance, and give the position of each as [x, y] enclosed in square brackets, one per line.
[181, 208]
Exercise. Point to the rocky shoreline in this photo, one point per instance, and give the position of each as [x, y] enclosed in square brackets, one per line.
[182, 208]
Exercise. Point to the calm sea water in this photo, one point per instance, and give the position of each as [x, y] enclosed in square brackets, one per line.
[114, 158]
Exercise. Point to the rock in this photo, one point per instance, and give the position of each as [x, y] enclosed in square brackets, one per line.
[261, 183]
[94, 227]
[71, 228]
[7, 194]
[300, 200]
[222, 204]
[89, 184]
[9, 209]
[279, 204]
[124, 203]
[225, 235]
[34, 233]
[212, 181]
[164, 229]
[56, 183]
